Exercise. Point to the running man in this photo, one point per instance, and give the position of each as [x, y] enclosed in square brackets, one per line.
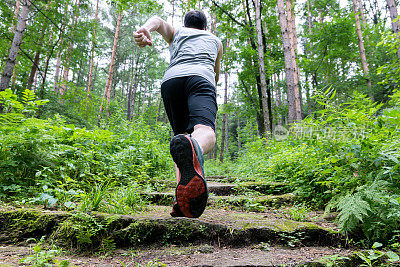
[189, 95]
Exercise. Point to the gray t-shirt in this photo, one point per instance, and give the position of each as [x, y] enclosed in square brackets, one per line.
[193, 52]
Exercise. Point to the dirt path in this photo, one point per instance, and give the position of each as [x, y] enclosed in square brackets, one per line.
[244, 225]
[171, 255]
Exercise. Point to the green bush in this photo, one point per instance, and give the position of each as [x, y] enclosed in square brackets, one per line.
[36, 153]
[347, 159]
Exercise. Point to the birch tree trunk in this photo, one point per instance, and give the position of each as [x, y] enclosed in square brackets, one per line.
[16, 12]
[361, 46]
[393, 16]
[107, 90]
[10, 63]
[260, 49]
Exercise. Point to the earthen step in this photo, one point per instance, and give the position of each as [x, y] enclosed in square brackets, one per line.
[226, 189]
[246, 202]
[256, 203]
[204, 255]
[90, 232]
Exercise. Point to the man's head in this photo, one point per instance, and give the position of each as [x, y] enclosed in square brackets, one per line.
[195, 19]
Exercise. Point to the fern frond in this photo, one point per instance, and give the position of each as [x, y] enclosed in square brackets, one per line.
[27, 96]
[9, 118]
[353, 210]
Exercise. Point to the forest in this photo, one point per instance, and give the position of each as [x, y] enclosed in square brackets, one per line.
[308, 108]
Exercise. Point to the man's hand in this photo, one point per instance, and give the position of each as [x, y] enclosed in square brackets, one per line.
[143, 37]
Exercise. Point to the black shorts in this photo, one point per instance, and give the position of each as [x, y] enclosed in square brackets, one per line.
[189, 101]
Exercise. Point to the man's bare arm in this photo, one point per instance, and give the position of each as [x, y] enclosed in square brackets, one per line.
[218, 63]
[143, 37]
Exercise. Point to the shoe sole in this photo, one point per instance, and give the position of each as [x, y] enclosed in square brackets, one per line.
[191, 191]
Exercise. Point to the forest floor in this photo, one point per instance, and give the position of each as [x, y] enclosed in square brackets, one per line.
[246, 224]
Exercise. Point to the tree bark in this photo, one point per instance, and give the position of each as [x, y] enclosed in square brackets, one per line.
[293, 94]
[16, 11]
[393, 16]
[35, 63]
[132, 86]
[93, 46]
[58, 64]
[224, 139]
[10, 63]
[260, 49]
[107, 90]
[293, 50]
[278, 99]
[361, 46]
[309, 25]
[145, 86]
[63, 87]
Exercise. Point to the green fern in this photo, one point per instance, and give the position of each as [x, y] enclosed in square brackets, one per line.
[27, 96]
[10, 118]
[353, 209]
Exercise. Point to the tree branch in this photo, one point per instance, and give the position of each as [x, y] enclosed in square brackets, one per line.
[228, 14]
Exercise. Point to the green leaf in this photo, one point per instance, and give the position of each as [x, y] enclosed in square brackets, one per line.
[392, 256]
[377, 245]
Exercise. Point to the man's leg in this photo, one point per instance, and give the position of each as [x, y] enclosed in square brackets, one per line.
[205, 137]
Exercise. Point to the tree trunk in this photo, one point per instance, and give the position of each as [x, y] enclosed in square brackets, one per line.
[224, 135]
[145, 86]
[10, 63]
[393, 16]
[35, 63]
[93, 46]
[49, 55]
[16, 11]
[107, 90]
[58, 64]
[309, 25]
[260, 49]
[293, 50]
[57, 73]
[69, 51]
[360, 7]
[132, 86]
[294, 107]
[278, 99]
[361, 47]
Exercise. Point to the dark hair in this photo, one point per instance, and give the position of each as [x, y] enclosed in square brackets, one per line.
[195, 19]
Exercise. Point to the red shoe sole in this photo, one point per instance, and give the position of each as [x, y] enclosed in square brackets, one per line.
[191, 191]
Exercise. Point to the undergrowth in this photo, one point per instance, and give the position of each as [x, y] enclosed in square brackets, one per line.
[56, 164]
[347, 160]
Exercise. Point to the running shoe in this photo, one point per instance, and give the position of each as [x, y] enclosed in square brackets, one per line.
[191, 191]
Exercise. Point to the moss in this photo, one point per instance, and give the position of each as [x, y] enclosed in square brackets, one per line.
[102, 232]
[88, 232]
[247, 203]
[267, 187]
[23, 223]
